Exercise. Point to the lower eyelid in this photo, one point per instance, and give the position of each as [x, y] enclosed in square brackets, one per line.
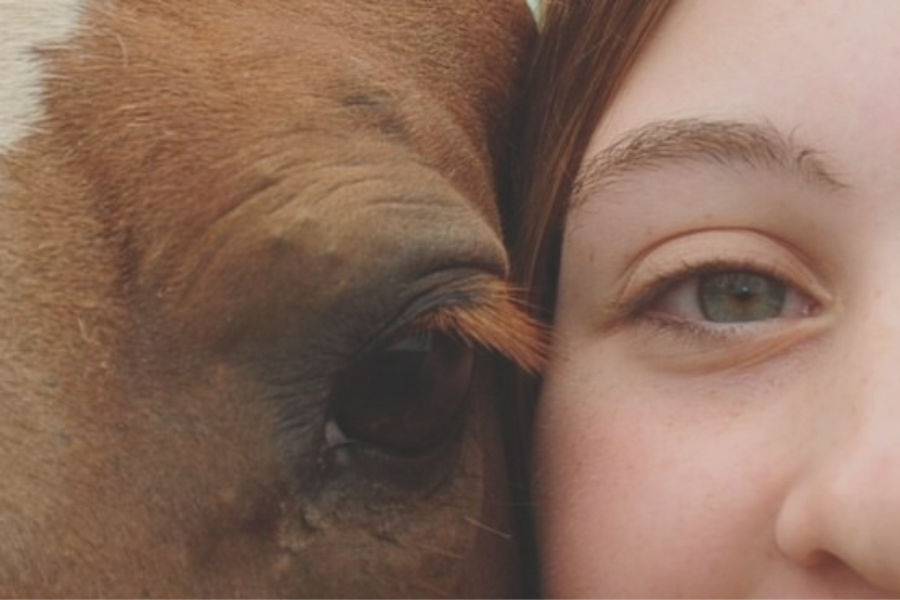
[688, 346]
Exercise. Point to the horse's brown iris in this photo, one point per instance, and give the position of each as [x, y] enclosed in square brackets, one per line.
[407, 398]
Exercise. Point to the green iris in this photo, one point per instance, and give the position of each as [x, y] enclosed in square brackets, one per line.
[736, 296]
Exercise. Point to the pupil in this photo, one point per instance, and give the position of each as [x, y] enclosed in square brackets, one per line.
[739, 296]
[743, 293]
[406, 398]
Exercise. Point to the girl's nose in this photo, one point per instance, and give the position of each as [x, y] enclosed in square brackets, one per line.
[845, 501]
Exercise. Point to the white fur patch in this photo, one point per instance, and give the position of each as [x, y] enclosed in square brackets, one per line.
[535, 6]
[26, 25]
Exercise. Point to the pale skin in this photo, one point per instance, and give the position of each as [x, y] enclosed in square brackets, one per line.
[706, 443]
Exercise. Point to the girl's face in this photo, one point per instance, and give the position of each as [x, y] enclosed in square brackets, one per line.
[722, 413]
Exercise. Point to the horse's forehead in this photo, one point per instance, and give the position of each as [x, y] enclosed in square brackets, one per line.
[25, 27]
[30, 28]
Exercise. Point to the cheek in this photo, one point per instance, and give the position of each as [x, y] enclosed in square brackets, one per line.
[646, 485]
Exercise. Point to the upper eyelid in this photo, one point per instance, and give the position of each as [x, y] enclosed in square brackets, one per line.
[480, 310]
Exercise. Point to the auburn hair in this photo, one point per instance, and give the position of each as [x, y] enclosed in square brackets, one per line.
[584, 50]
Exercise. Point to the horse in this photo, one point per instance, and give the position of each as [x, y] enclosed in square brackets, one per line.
[254, 291]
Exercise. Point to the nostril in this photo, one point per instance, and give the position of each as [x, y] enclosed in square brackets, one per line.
[819, 559]
[837, 526]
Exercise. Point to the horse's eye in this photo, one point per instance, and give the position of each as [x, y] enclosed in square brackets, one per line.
[407, 398]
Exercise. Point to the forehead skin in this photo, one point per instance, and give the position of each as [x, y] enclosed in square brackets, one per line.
[704, 53]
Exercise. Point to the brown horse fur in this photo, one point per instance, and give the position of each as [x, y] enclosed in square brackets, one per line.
[208, 211]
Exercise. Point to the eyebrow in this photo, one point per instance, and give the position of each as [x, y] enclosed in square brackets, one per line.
[725, 143]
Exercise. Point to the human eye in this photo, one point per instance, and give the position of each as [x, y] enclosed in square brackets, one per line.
[715, 293]
[719, 299]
